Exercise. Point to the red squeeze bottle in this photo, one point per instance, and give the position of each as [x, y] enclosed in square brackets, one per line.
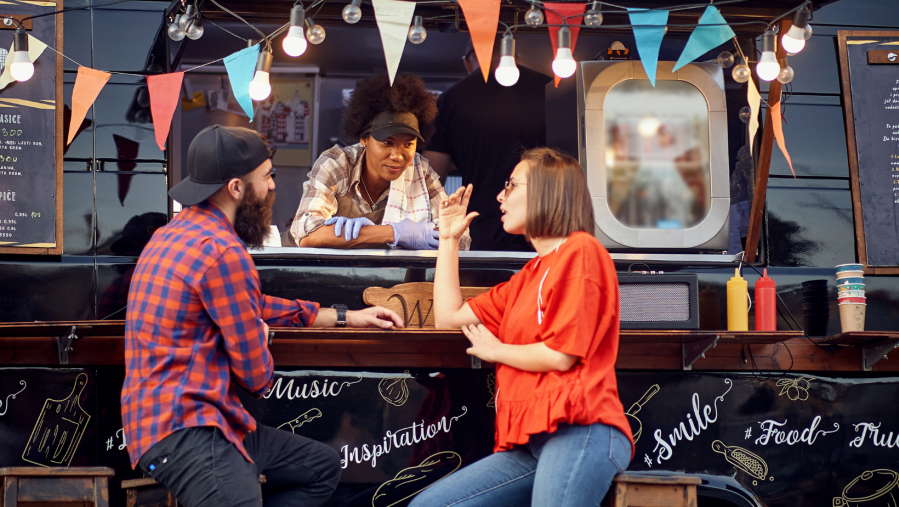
[765, 304]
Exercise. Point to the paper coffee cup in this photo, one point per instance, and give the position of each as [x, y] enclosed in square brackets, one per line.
[850, 274]
[852, 317]
[851, 287]
[850, 267]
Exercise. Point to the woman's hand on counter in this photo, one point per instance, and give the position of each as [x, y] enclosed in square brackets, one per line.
[535, 357]
[454, 216]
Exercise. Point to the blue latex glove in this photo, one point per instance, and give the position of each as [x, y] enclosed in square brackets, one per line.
[415, 235]
[350, 226]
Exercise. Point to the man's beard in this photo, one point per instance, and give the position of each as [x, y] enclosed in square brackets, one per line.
[253, 218]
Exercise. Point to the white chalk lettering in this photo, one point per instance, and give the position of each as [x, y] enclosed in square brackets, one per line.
[309, 390]
[771, 431]
[871, 432]
[704, 417]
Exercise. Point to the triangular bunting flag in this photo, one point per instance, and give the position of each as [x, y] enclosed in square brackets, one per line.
[393, 18]
[482, 18]
[555, 12]
[241, 67]
[777, 119]
[649, 38]
[755, 100]
[712, 32]
[88, 84]
[165, 91]
[35, 48]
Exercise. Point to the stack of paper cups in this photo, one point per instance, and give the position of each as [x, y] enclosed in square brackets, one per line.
[851, 296]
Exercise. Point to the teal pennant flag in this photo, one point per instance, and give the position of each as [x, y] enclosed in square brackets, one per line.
[241, 67]
[649, 38]
[712, 32]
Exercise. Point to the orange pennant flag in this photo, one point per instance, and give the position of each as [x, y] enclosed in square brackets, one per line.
[165, 90]
[482, 18]
[88, 84]
[777, 123]
[555, 13]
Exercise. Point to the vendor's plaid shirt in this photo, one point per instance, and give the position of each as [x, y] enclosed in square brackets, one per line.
[338, 171]
[194, 329]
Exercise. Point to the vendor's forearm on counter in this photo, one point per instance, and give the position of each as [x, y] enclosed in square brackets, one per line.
[327, 317]
[370, 236]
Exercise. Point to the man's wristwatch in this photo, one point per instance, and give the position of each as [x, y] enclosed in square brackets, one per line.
[341, 315]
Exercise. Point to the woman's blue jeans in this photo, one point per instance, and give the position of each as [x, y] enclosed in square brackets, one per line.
[570, 467]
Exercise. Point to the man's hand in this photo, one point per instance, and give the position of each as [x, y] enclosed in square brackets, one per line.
[453, 218]
[374, 316]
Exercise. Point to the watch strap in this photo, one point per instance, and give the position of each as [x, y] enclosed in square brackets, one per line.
[341, 315]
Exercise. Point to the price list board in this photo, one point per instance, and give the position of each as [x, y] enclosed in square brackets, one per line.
[31, 134]
[869, 72]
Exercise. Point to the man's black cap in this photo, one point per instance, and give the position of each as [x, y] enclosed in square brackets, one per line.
[215, 156]
[388, 124]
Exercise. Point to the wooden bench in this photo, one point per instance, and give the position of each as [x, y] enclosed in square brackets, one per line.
[147, 492]
[654, 490]
[55, 485]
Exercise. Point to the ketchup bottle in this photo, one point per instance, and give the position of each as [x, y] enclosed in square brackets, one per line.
[765, 304]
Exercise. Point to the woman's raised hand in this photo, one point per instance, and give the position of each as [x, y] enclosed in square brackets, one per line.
[453, 218]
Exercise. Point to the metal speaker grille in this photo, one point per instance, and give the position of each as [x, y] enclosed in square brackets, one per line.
[654, 302]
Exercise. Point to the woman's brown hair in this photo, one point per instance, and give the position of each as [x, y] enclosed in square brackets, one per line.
[558, 198]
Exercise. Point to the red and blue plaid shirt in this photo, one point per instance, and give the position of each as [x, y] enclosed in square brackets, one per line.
[194, 329]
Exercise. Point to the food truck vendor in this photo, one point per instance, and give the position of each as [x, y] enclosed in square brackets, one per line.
[380, 192]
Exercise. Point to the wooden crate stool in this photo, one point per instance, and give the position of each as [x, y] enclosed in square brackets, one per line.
[147, 492]
[55, 485]
[654, 490]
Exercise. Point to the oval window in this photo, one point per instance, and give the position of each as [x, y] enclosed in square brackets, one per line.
[657, 154]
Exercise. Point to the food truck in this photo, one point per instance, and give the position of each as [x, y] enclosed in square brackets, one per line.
[686, 174]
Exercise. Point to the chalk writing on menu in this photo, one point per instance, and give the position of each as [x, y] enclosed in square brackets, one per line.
[875, 109]
[28, 141]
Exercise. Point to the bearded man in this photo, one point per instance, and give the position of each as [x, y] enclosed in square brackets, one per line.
[196, 332]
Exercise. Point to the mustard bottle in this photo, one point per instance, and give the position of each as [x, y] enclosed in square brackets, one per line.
[737, 303]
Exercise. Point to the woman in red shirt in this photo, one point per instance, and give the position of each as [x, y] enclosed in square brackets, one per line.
[552, 330]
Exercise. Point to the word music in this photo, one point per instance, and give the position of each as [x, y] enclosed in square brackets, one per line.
[308, 390]
[704, 418]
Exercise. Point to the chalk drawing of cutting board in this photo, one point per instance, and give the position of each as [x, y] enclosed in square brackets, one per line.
[58, 429]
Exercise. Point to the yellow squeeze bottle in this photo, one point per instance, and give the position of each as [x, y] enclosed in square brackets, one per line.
[737, 306]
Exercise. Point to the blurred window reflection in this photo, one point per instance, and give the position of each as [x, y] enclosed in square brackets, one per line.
[657, 154]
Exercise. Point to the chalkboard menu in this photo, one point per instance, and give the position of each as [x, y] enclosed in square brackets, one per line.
[31, 135]
[869, 69]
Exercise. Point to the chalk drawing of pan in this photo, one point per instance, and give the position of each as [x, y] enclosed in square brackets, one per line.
[58, 429]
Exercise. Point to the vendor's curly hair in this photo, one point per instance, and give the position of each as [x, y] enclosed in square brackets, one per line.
[374, 95]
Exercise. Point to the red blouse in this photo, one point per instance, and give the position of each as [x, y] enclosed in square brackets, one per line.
[567, 299]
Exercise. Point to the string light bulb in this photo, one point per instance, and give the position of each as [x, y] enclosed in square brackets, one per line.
[176, 33]
[507, 72]
[294, 43]
[314, 33]
[725, 59]
[786, 73]
[807, 33]
[417, 33]
[189, 12]
[741, 72]
[768, 68]
[195, 30]
[352, 13]
[794, 40]
[260, 86]
[594, 15]
[745, 114]
[534, 16]
[564, 64]
[21, 68]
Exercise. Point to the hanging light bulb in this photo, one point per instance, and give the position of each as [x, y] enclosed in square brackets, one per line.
[564, 64]
[21, 68]
[175, 31]
[260, 87]
[314, 33]
[352, 13]
[807, 33]
[417, 33]
[507, 72]
[534, 16]
[195, 30]
[594, 15]
[786, 72]
[741, 72]
[187, 17]
[725, 59]
[794, 40]
[745, 114]
[295, 43]
[768, 68]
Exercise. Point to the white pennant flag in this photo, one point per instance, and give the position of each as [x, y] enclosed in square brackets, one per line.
[394, 19]
[755, 102]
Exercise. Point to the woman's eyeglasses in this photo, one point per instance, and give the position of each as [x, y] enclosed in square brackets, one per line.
[510, 185]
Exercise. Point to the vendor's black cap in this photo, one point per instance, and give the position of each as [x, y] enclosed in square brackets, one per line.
[387, 124]
[215, 156]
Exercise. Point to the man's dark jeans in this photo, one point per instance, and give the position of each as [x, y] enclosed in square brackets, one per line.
[203, 469]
